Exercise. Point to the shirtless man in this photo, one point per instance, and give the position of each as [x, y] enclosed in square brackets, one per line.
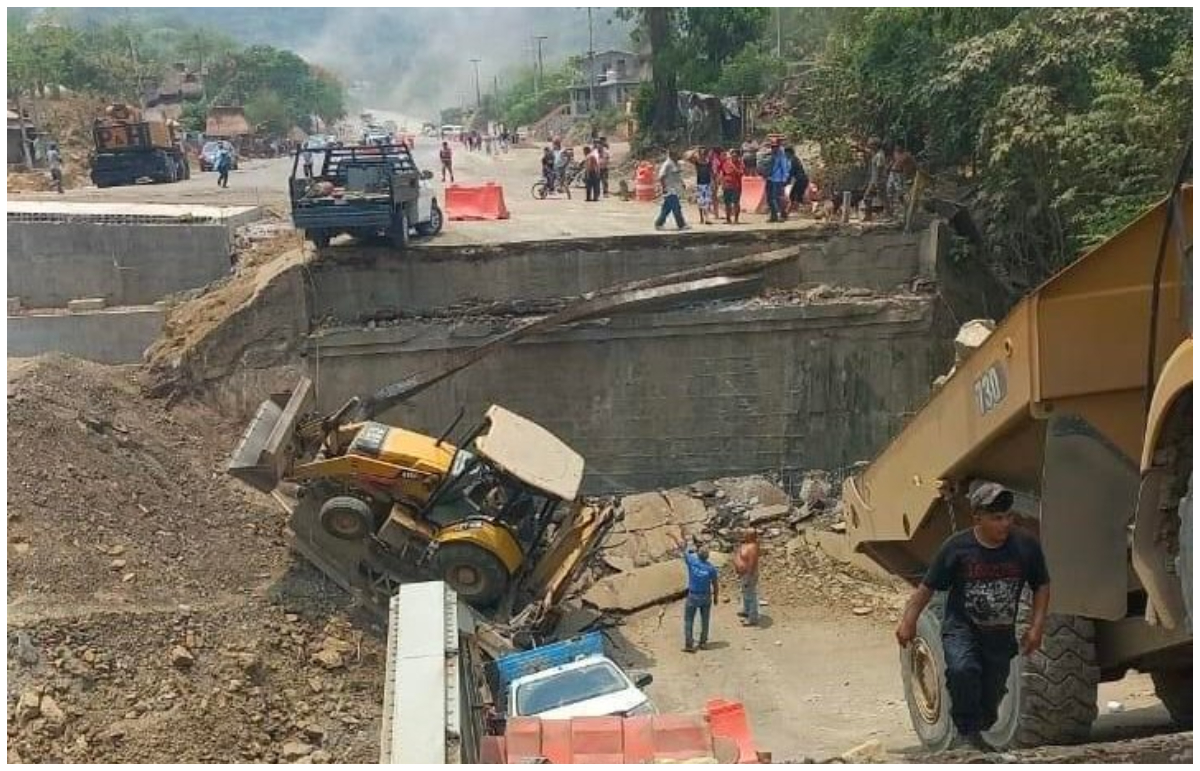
[745, 564]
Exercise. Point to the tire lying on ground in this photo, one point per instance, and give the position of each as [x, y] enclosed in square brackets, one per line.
[1051, 696]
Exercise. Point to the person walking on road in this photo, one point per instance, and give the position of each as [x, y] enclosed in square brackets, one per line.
[671, 179]
[308, 163]
[984, 570]
[54, 160]
[447, 157]
[224, 164]
[702, 593]
[745, 564]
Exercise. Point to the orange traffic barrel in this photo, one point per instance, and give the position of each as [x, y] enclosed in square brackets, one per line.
[643, 182]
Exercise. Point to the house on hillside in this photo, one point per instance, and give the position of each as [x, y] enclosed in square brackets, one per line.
[612, 76]
[177, 85]
[226, 122]
[18, 129]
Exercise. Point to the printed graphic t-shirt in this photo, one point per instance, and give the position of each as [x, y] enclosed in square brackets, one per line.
[985, 584]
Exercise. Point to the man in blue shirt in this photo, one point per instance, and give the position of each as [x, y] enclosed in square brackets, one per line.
[701, 594]
[781, 171]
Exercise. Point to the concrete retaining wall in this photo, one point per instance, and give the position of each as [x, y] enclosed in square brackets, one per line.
[361, 283]
[111, 336]
[51, 263]
[665, 399]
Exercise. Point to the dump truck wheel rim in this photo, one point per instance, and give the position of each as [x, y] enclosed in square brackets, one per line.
[927, 690]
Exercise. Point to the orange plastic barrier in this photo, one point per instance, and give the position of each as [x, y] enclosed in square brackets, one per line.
[643, 182]
[727, 719]
[754, 194]
[722, 732]
[482, 202]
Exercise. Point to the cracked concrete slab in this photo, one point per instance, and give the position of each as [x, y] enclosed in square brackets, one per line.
[653, 524]
[645, 586]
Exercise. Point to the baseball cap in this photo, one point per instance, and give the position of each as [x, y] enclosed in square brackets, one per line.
[990, 497]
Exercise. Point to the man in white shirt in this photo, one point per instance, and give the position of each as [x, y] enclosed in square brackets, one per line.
[670, 176]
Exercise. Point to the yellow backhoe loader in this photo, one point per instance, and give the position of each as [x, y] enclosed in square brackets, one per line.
[1080, 401]
[495, 516]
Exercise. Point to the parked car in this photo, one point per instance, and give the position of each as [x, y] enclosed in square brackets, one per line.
[209, 153]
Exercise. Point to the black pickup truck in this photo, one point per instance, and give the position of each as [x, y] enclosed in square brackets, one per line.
[367, 191]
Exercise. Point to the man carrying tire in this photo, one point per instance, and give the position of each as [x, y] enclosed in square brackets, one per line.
[984, 571]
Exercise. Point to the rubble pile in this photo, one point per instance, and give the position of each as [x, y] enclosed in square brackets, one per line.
[155, 613]
[802, 537]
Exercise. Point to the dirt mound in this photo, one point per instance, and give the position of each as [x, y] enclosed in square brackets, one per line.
[155, 612]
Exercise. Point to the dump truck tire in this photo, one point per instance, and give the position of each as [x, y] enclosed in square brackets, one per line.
[1184, 560]
[923, 670]
[346, 517]
[1174, 689]
[474, 573]
[1051, 695]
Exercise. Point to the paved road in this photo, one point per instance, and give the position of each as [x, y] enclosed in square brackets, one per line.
[264, 183]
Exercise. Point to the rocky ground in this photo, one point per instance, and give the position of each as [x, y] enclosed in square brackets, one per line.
[154, 611]
[156, 614]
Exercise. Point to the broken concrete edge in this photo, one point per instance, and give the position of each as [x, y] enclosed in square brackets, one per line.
[644, 587]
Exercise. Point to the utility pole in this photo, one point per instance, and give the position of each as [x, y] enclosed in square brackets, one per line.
[539, 74]
[778, 33]
[478, 100]
[591, 67]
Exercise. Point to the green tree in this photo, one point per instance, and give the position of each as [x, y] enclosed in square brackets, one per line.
[713, 36]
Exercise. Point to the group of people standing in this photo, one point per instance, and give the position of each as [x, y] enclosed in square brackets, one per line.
[719, 175]
[559, 169]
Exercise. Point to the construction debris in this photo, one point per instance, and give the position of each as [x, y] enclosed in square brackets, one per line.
[970, 336]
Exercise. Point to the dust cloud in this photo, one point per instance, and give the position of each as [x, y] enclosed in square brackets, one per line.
[417, 61]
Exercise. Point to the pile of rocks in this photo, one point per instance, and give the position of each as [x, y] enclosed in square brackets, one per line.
[638, 561]
[759, 503]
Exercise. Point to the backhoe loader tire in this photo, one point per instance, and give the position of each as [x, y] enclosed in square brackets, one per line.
[347, 517]
[474, 573]
[1174, 689]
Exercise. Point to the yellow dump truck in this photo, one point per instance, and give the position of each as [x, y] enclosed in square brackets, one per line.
[1080, 402]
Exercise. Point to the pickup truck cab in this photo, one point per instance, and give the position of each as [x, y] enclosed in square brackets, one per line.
[572, 678]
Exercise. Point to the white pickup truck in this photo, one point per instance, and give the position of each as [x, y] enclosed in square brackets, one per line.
[572, 678]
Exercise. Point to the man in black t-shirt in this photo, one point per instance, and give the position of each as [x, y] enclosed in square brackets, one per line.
[983, 570]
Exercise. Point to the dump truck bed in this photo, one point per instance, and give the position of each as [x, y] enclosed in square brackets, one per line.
[1076, 346]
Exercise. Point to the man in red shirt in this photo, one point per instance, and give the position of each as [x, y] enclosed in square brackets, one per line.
[732, 172]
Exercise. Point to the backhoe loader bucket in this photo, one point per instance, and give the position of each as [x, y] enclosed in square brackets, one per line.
[267, 449]
[570, 550]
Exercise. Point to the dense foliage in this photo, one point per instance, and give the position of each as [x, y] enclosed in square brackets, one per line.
[121, 59]
[1063, 122]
